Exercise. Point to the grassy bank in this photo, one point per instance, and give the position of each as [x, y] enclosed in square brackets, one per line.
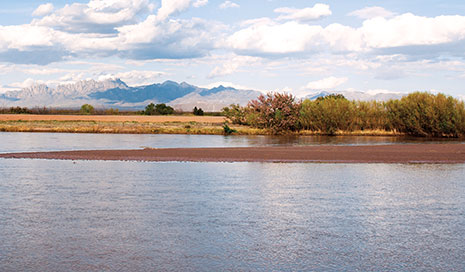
[135, 127]
[124, 127]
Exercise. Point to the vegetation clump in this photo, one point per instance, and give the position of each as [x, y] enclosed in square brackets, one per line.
[86, 109]
[417, 114]
[227, 130]
[158, 109]
[197, 111]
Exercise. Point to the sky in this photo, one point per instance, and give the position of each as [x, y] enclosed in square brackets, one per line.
[296, 46]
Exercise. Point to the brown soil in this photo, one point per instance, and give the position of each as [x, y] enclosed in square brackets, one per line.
[402, 153]
[112, 118]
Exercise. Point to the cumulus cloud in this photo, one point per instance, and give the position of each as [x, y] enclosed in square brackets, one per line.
[25, 84]
[268, 37]
[133, 29]
[43, 10]
[55, 38]
[228, 4]
[372, 12]
[326, 83]
[173, 39]
[408, 29]
[171, 7]
[316, 12]
[200, 3]
[97, 16]
[135, 77]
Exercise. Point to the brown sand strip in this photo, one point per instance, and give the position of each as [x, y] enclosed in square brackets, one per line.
[402, 153]
[112, 118]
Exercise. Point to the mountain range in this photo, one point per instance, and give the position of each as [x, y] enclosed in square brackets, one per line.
[114, 93]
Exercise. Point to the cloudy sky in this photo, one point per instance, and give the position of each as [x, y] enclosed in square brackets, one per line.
[289, 45]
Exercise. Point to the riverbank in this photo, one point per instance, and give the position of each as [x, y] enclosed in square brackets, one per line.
[397, 153]
[137, 124]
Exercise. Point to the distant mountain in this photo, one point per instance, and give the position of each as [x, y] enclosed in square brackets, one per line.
[355, 95]
[117, 94]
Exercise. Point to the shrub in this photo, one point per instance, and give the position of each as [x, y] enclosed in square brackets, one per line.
[86, 109]
[328, 114]
[227, 130]
[236, 114]
[158, 109]
[425, 114]
[197, 111]
[275, 111]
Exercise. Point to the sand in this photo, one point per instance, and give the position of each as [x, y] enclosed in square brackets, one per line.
[398, 153]
[112, 118]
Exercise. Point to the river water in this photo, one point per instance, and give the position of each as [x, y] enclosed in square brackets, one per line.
[147, 216]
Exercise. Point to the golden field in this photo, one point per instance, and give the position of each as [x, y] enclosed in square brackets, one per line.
[138, 124]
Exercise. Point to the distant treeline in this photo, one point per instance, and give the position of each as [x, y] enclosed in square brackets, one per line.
[417, 114]
[87, 109]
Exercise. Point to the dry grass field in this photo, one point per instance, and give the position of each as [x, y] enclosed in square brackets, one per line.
[113, 118]
[134, 124]
[139, 124]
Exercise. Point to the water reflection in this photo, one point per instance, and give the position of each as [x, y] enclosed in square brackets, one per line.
[107, 216]
[26, 142]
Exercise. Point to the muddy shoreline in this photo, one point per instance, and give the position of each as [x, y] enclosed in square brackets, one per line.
[397, 153]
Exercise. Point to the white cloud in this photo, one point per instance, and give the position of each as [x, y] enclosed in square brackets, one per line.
[228, 4]
[43, 10]
[265, 36]
[22, 37]
[172, 39]
[408, 29]
[97, 16]
[102, 28]
[318, 11]
[326, 83]
[25, 84]
[372, 12]
[136, 77]
[200, 3]
[171, 7]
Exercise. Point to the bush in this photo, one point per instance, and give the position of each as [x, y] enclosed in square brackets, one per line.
[275, 111]
[236, 114]
[425, 114]
[197, 111]
[227, 130]
[328, 114]
[86, 109]
[158, 109]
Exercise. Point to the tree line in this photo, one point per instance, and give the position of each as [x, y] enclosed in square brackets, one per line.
[417, 114]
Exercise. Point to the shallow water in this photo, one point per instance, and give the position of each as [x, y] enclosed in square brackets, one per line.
[29, 142]
[134, 216]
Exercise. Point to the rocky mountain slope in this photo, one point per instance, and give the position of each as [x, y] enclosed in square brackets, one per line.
[115, 93]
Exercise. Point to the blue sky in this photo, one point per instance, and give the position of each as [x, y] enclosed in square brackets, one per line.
[298, 46]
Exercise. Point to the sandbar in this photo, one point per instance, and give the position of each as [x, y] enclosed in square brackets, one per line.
[392, 153]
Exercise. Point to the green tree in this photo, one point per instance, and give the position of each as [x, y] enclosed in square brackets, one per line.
[197, 111]
[149, 109]
[163, 109]
[158, 109]
[86, 109]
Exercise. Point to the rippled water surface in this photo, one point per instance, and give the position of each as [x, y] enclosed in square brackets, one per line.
[141, 216]
[26, 142]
